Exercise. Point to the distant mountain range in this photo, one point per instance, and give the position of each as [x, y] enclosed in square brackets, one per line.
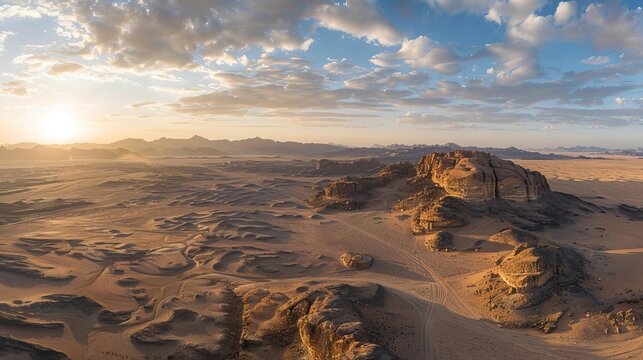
[48, 153]
[200, 146]
[598, 150]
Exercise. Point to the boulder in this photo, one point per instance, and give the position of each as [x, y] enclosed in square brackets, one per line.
[478, 176]
[356, 261]
[439, 241]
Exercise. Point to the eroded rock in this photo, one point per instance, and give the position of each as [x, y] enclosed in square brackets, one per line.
[514, 237]
[479, 176]
[439, 241]
[356, 261]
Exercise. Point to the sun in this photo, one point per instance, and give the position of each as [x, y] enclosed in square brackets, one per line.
[58, 125]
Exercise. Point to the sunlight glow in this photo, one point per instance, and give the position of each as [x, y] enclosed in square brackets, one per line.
[58, 125]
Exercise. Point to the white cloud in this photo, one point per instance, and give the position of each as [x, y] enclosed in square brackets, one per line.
[534, 29]
[341, 67]
[564, 12]
[3, 37]
[150, 34]
[609, 27]
[360, 18]
[518, 61]
[421, 52]
[596, 60]
[620, 101]
[512, 11]
[15, 11]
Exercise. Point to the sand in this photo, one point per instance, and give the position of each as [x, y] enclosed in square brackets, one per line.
[136, 260]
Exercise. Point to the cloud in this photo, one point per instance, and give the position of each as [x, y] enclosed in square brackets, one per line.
[512, 12]
[518, 61]
[596, 60]
[140, 104]
[15, 88]
[528, 93]
[421, 52]
[360, 18]
[619, 101]
[609, 26]
[64, 68]
[564, 12]
[14, 11]
[3, 37]
[149, 34]
[342, 67]
[534, 29]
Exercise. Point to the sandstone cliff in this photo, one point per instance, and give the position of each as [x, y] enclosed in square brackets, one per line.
[479, 176]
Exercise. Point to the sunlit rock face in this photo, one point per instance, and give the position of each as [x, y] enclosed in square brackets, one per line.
[531, 267]
[479, 176]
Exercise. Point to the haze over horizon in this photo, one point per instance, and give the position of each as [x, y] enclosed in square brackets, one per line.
[524, 73]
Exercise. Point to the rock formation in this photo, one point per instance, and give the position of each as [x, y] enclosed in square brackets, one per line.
[514, 237]
[446, 190]
[356, 261]
[444, 212]
[439, 241]
[535, 285]
[350, 193]
[333, 330]
[326, 321]
[332, 167]
[479, 176]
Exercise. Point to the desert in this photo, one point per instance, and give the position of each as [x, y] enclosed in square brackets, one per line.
[321, 179]
[240, 257]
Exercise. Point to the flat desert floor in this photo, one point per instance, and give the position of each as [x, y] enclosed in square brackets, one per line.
[135, 260]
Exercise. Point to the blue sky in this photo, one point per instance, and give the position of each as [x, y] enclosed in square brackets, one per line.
[527, 73]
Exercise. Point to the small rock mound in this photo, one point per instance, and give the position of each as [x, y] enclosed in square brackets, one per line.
[479, 176]
[532, 267]
[439, 241]
[355, 261]
[514, 237]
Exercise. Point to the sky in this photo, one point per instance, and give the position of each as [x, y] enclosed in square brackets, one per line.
[525, 73]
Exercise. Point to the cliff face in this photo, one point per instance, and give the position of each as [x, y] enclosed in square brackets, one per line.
[478, 176]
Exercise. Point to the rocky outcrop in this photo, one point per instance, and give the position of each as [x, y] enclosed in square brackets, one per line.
[445, 212]
[351, 193]
[355, 261]
[531, 267]
[332, 167]
[514, 237]
[447, 190]
[439, 241]
[328, 323]
[333, 330]
[535, 285]
[479, 176]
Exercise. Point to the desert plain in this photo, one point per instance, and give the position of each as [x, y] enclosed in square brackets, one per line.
[224, 257]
